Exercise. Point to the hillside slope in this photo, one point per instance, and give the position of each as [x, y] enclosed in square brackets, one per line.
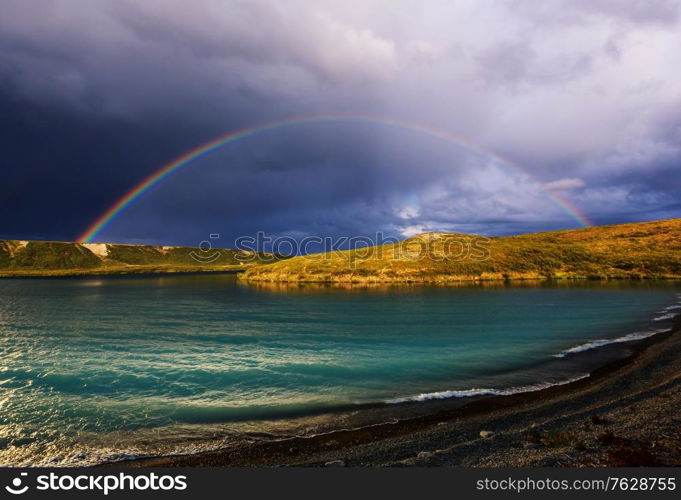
[52, 258]
[638, 250]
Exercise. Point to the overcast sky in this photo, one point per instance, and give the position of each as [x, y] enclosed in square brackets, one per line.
[584, 95]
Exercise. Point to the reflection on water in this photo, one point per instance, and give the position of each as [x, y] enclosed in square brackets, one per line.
[487, 284]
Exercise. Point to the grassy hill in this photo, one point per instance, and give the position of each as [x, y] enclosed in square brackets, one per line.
[639, 250]
[52, 258]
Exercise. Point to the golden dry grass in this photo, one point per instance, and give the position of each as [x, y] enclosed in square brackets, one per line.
[634, 251]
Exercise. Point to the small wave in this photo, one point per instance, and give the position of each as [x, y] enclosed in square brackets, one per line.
[467, 393]
[672, 308]
[664, 316]
[603, 342]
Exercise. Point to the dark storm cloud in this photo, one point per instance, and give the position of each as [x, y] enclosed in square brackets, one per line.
[94, 96]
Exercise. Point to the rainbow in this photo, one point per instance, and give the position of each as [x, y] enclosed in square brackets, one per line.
[159, 175]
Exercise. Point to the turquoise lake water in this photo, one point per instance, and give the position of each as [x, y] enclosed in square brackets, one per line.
[101, 368]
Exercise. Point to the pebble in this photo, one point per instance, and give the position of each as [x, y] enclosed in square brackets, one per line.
[335, 463]
[486, 434]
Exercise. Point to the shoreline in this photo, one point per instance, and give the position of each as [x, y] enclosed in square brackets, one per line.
[119, 272]
[449, 279]
[280, 284]
[452, 280]
[527, 428]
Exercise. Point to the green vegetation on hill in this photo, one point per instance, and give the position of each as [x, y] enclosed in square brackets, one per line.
[50, 258]
[638, 250]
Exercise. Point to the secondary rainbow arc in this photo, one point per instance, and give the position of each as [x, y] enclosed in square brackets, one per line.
[159, 175]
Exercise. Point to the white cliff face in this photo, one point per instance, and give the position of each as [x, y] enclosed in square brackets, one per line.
[22, 244]
[99, 249]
